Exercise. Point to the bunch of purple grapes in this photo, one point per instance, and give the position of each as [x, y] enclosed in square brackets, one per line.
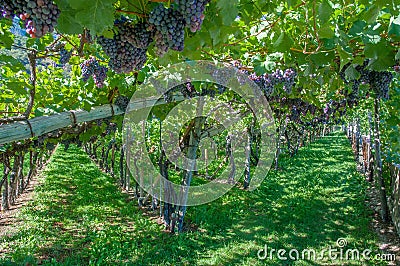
[122, 102]
[99, 76]
[161, 46]
[289, 79]
[91, 67]
[124, 56]
[379, 82]
[193, 12]
[65, 56]
[40, 16]
[139, 35]
[269, 82]
[170, 24]
[187, 89]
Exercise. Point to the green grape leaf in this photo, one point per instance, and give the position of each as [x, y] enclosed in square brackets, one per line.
[17, 87]
[215, 34]
[326, 32]
[351, 73]
[345, 57]
[96, 16]
[324, 58]
[324, 11]
[357, 28]
[11, 61]
[371, 14]
[283, 43]
[68, 24]
[229, 10]
[381, 55]
[394, 26]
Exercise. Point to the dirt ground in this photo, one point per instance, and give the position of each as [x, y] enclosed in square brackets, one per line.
[389, 240]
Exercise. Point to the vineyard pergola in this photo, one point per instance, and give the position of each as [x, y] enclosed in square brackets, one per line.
[69, 69]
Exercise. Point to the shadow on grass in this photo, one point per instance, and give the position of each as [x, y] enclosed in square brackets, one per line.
[79, 216]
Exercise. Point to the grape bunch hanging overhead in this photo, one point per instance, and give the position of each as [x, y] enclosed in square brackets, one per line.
[165, 26]
[127, 48]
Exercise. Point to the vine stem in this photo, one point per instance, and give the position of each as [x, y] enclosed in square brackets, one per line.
[132, 13]
[254, 35]
[68, 40]
[315, 28]
[32, 92]
[161, 1]
[23, 48]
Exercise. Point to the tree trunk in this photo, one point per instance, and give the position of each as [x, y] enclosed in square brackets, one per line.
[121, 164]
[370, 170]
[247, 174]
[4, 202]
[113, 159]
[278, 143]
[12, 193]
[378, 164]
[20, 176]
[194, 141]
[4, 181]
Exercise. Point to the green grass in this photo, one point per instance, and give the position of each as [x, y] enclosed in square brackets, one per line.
[79, 216]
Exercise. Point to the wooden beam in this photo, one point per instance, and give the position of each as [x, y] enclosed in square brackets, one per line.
[38, 126]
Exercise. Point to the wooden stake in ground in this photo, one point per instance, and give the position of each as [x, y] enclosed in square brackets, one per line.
[378, 165]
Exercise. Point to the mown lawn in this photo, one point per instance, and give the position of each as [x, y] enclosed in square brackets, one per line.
[80, 217]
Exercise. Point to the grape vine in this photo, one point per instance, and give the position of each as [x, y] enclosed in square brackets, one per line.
[91, 67]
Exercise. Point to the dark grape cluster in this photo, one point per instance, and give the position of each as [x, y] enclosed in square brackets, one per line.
[111, 128]
[289, 79]
[40, 16]
[122, 102]
[66, 143]
[139, 35]
[396, 68]
[165, 27]
[379, 81]
[50, 146]
[170, 25]
[193, 12]
[268, 82]
[65, 56]
[99, 122]
[124, 56]
[187, 89]
[161, 46]
[294, 113]
[7, 8]
[91, 67]
[88, 67]
[99, 76]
